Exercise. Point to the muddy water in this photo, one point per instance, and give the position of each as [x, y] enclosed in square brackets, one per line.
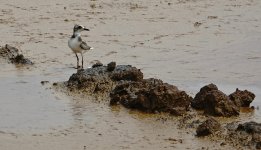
[160, 37]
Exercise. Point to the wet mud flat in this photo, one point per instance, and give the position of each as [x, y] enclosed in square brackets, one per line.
[125, 85]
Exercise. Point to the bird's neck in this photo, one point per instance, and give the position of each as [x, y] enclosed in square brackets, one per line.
[75, 34]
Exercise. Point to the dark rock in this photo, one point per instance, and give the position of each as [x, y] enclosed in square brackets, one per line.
[214, 102]
[197, 24]
[111, 66]
[210, 126]
[232, 126]
[127, 87]
[199, 101]
[253, 131]
[19, 59]
[150, 95]
[12, 54]
[218, 104]
[44, 82]
[223, 144]
[98, 79]
[130, 74]
[258, 145]
[178, 111]
[250, 127]
[97, 64]
[242, 98]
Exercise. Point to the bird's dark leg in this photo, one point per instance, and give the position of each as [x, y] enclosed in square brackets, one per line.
[82, 60]
[77, 61]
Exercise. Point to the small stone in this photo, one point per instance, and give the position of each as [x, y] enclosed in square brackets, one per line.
[212, 17]
[111, 66]
[97, 64]
[197, 24]
[172, 139]
[178, 111]
[223, 144]
[44, 82]
[258, 145]
[208, 127]
[250, 127]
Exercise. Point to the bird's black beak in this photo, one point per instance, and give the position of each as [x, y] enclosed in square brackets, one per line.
[86, 29]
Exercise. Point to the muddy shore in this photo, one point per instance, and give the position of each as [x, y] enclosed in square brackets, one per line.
[185, 43]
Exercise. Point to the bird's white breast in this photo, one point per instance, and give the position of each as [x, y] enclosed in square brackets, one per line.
[74, 44]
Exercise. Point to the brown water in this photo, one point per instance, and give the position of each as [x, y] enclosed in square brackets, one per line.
[157, 36]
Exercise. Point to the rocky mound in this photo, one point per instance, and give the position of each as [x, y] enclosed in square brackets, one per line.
[127, 87]
[151, 95]
[124, 84]
[218, 104]
[103, 79]
[242, 98]
[214, 102]
[12, 54]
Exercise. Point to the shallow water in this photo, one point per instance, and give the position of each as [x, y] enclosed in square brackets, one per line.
[26, 104]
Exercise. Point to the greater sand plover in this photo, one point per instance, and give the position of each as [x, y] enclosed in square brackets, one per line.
[76, 43]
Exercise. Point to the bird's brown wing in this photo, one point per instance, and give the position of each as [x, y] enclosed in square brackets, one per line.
[84, 46]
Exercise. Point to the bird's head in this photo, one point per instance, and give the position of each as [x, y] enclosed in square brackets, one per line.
[79, 28]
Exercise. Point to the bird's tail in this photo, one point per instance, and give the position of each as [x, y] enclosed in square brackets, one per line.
[91, 48]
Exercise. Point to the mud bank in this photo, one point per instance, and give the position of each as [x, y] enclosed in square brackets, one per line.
[125, 85]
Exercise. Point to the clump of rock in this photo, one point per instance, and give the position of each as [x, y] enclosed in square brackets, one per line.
[12, 54]
[208, 127]
[219, 104]
[127, 87]
[214, 102]
[199, 101]
[100, 79]
[242, 98]
[250, 127]
[151, 95]
[248, 134]
[124, 84]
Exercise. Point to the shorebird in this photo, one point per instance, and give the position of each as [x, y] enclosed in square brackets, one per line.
[76, 43]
